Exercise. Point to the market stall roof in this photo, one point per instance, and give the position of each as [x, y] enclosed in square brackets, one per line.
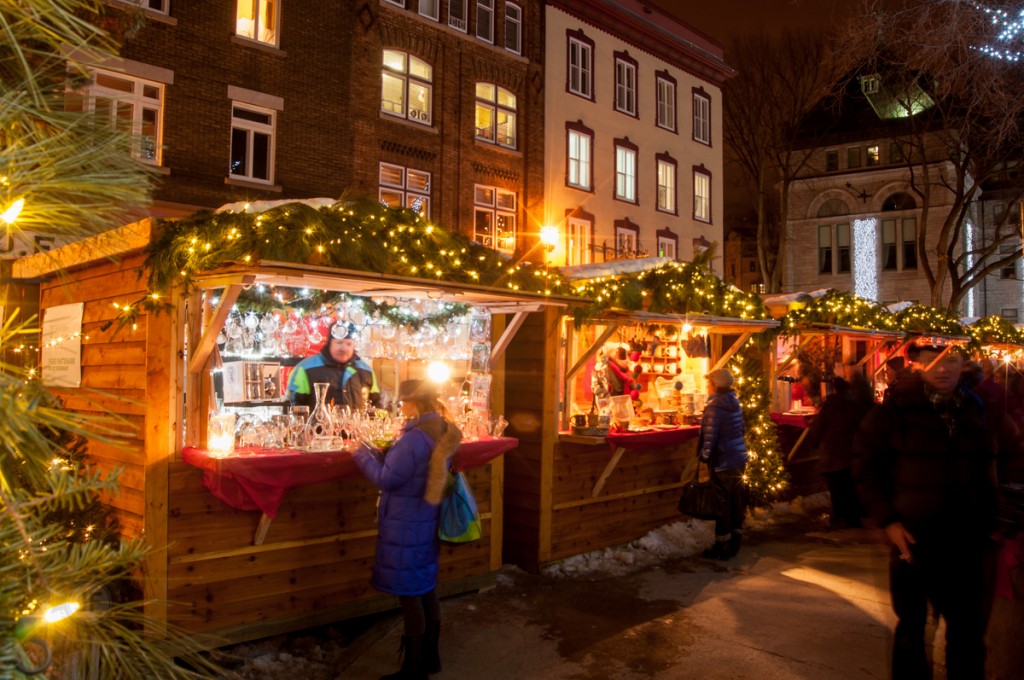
[724, 324]
[372, 284]
[817, 328]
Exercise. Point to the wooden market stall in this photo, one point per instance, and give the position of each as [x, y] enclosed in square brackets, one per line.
[219, 565]
[570, 487]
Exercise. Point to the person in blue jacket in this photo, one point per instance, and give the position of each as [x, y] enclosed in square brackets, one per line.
[723, 447]
[412, 476]
[351, 379]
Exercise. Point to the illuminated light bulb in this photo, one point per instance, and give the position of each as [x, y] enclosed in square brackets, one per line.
[61, 611]
[438, 371]
[13, 210]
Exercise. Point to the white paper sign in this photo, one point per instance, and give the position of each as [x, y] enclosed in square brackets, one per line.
[62, 345]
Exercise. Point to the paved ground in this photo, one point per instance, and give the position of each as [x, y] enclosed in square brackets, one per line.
[797, 603]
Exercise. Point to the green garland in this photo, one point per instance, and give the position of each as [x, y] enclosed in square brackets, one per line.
[766, 476]
[674, 288]
[837, 308]
[993, 330]
[929, 321]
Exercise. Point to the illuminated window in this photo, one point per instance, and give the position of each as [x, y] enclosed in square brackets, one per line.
[513, 28]
[404, 187]
[407, 89]
[701, 117]
[668, 244]
[579, 171]
[666, 96]
[627, 238]
[485, 20]
[126, 103]
[457, 14]
[701, 195]
[579, 231]
[495, 115]
[625, 83]
[494, 223]
[625, 171]
[257, 20]
[873, 157]
[667, 169]
[252, 143]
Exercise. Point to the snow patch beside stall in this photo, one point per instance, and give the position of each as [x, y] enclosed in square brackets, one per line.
[680, 539]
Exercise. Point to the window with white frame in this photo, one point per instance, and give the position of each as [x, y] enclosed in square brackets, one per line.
[668, 244]
[159, 6]
[485, 20]
[579, 171]
[701, 195]
[430, 9]
[579, 232]
[494, 223]
[625, 170]
[666, 96]
[399, 3]
[401, 187]
[513, 28]
[701, 116]
[457, 14]
[252, 142]
[495, 115]
[257, 20]
[126, 103]
[899, 244]
[581, 65]
[627, 238]
[625, 83]
[666, 170]
[407, 87]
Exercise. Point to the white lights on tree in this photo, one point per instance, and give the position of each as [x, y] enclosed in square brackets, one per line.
[865, 258]
[969, 247]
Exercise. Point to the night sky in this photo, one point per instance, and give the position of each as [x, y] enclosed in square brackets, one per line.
[723, 19]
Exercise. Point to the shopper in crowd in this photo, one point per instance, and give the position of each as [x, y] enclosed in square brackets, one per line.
[351, 379]
[412, 476]
[722, 446]
[831, 433]
[895, 368]
[924, 463]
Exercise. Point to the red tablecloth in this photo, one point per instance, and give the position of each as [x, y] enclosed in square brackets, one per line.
[792, 419]
[652, 438]
[259, 479]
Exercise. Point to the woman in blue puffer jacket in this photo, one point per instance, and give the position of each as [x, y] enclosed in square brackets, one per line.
[411, 477]
[723, 447]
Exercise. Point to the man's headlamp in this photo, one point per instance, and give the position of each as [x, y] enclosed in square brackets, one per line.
[340, 331]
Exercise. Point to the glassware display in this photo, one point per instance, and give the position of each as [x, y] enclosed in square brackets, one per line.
[297, 418]
[320, 423]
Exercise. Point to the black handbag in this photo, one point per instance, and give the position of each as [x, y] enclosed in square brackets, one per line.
[703, 500]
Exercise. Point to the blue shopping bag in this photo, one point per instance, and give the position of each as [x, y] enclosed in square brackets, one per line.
[460, 520]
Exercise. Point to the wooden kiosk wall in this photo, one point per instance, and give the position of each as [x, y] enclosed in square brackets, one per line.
[204, 575]
[550, 513]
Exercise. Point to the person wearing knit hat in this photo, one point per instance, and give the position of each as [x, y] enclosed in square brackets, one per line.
[351, 379]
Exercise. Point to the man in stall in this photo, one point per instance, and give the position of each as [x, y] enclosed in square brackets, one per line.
[351, 379]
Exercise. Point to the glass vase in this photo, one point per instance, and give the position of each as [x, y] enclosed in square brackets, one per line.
[321, 422]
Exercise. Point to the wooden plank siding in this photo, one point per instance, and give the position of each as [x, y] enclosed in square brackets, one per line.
[550, 511]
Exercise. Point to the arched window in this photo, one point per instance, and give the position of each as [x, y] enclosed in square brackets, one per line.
[900, 200]
[833, 207]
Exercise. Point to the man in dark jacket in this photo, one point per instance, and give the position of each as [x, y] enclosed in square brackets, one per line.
[352, 382]
[723, 447]
[923, 460]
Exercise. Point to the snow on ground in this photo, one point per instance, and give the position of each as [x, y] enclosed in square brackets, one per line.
[680, 539]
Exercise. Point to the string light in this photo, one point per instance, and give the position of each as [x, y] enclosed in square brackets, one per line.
[12, 211]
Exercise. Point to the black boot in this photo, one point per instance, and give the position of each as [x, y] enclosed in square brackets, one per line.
[720, 550]
[412, 661]
[431, 655]
[734, 543]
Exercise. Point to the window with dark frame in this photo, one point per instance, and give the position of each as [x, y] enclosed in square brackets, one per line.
[825, 249]
[831, 160]
[580, 65]
[625, 83]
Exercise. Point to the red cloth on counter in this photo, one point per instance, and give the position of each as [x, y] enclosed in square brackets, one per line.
[652, 438]
[259, 479]
[802, 420]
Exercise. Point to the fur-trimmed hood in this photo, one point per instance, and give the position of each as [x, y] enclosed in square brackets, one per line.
[447, 437]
